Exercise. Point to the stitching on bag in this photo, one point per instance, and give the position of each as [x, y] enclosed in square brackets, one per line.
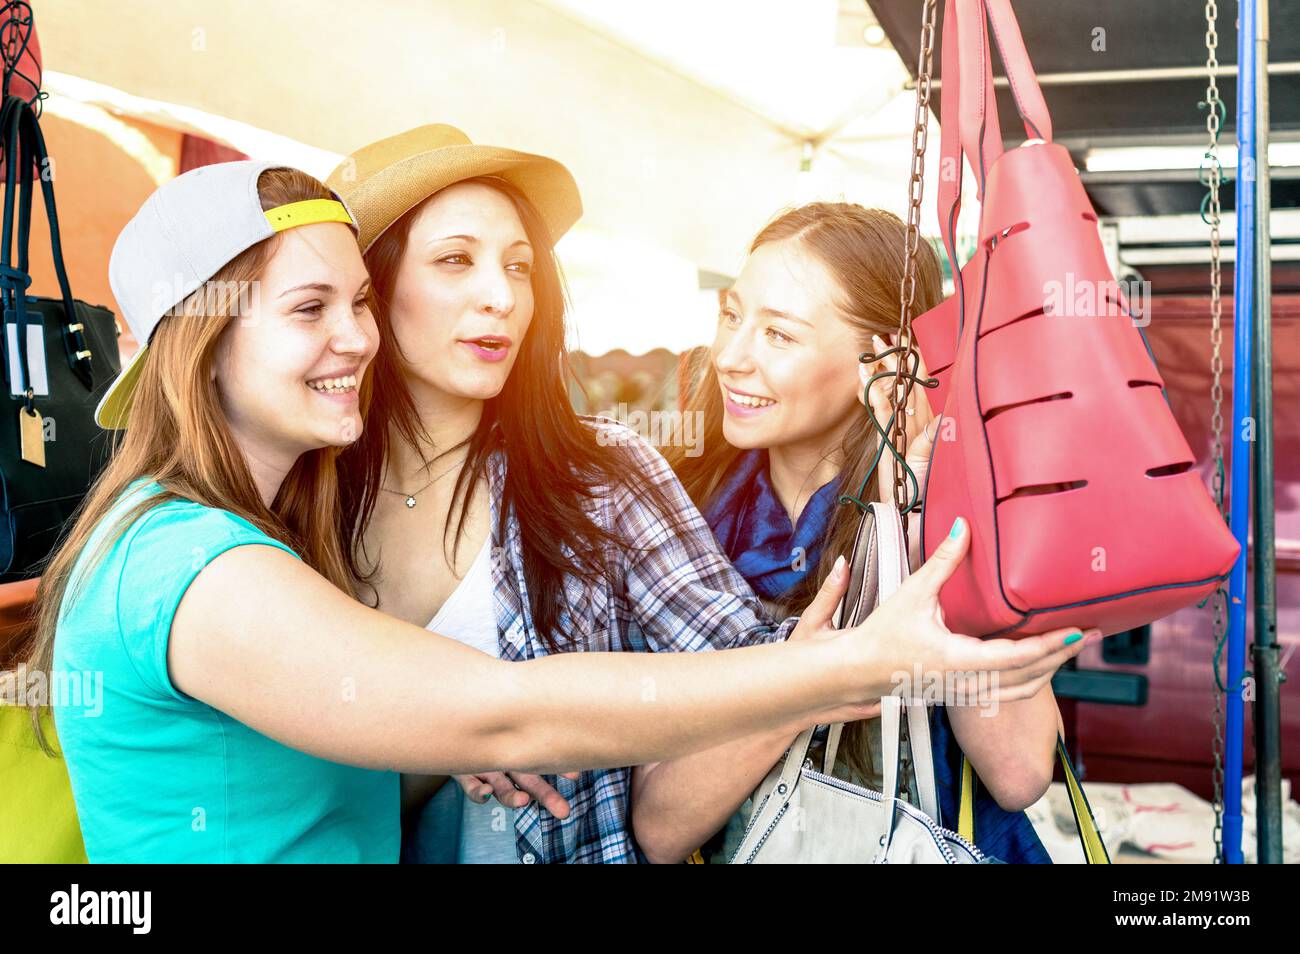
[767, 834]
[1011, 79]
[988, 452]
[1115, 596]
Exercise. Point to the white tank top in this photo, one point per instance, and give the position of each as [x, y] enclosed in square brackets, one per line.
[457, 828]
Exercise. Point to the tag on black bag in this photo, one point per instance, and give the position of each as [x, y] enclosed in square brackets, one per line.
[31, 436]
[38, 376]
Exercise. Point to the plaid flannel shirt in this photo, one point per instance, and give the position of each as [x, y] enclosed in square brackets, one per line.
[670, 590]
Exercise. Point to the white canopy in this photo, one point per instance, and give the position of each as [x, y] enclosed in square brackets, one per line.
[687, 123]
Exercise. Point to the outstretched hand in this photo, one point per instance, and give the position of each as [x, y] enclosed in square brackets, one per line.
[907, 632]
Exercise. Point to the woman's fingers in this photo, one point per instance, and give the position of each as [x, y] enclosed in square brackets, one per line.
[880, 391]
[935, 572]
[475, 788]
[1026, 690]
[820, 613]
[540, 789]
[918, 403]
[504, 790]
[920, 447]
[514, 789]
[1055, 659]
[985, 697]
[1017, 661]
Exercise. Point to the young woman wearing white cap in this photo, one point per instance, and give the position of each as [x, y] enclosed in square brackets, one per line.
[486, 509]
[251, 710]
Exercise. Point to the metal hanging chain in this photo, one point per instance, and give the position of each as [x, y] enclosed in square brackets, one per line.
[15, 36]
[907, 356]
[1211, 177]
[892, 435]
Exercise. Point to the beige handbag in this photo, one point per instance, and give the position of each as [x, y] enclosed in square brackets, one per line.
[808, 816]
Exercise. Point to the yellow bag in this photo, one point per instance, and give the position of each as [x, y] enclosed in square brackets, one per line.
[1094, 849]
[38, 820]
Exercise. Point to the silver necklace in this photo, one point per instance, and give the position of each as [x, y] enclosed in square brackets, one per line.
[410, 498]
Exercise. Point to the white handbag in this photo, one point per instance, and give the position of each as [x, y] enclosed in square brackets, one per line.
[804, 815]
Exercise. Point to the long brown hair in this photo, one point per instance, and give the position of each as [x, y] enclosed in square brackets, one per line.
[555, 466]
[863, 250]
[179, 437]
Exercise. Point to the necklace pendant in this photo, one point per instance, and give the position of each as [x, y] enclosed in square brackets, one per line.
[410, 503]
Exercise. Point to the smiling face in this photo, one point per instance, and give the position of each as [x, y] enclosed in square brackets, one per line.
[287, 367]
[785, 355]
[462, 297]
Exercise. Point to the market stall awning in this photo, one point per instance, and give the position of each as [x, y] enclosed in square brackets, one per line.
[1118, 74]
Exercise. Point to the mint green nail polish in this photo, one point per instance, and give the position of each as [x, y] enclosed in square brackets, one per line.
[956, 528]
[1073, 638]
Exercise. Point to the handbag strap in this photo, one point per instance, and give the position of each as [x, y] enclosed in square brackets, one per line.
[881, 534]
[880, 556]
[1094, 848]
[918, 736]
[23, 143]
[968, 113]
[795, 757]
[890, 728]
[894, 569]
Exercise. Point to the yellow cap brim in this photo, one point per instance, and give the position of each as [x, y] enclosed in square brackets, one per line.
[114, 409]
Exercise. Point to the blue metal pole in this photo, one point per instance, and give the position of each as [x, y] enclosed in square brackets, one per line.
[1243, 313]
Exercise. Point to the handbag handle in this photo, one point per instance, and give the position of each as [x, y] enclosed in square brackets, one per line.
[885, 555]
[1094, 848]
[23, 143]
[880, 554]
[968, 114]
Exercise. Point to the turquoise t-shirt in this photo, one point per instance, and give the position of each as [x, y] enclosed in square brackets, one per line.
[159, 776]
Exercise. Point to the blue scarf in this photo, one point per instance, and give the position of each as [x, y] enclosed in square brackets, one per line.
[754, 529]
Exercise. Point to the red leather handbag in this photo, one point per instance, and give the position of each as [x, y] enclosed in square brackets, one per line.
[1056, 440]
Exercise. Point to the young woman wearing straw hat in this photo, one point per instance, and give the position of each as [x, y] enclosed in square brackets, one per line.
[484, 507]
[251, 709]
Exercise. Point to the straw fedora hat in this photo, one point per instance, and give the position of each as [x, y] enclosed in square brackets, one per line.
[383, 181]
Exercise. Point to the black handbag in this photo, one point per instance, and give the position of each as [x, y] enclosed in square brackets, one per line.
[60, 355]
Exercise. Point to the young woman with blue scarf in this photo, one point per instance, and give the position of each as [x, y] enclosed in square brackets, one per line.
[785, 435]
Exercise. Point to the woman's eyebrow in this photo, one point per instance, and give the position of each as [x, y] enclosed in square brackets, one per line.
[472, 240]
[775, 313]
[323, 287]
[448, 238]
[768, 312]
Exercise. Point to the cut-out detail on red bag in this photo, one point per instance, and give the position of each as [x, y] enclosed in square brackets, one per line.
[1057, 443]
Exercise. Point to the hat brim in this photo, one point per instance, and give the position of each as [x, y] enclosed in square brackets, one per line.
[379, 199]
[114, 410]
